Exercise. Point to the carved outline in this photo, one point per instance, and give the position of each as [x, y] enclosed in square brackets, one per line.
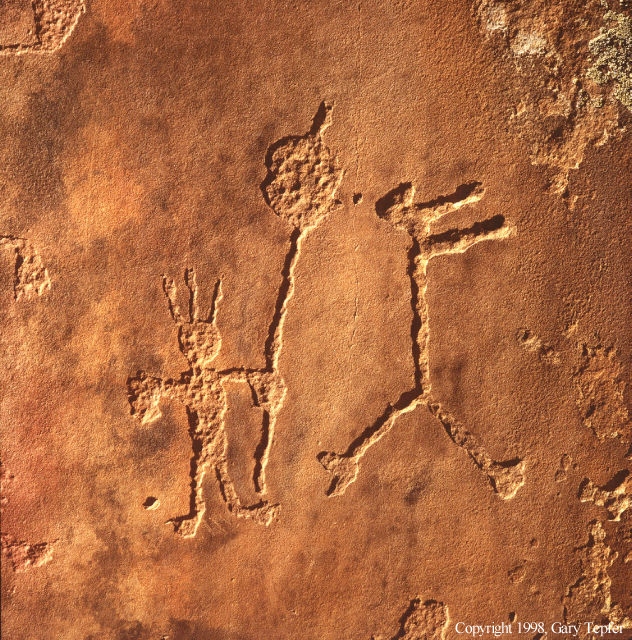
[399, 208]
[201, 389]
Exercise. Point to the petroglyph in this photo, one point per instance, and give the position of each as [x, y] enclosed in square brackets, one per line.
[615, 495]
[531, 342]
[30, 277]
[517, 574]
[522, 36]
[303, 175]
[201, 390]
[416, 219]
[40, 26]
[598, 379]
[423, 621]
[591, 593]
[618, 616]
[505, 477]
[561, 474]
[20, 554]
[300, 187]
[590, 596]
[23, 556]
[600, 388]
[151, 503]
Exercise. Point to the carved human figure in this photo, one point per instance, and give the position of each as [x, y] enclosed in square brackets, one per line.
[300, 187]
[417, 219]
[202, 392]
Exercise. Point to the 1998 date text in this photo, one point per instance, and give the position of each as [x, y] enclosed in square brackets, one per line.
[534, 628]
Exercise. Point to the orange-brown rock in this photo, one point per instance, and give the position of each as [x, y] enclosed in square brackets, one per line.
[315, 319]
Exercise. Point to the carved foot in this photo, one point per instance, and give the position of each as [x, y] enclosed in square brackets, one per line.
[262, 513]
[343, 468]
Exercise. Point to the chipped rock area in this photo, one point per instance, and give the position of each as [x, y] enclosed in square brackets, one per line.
[570, 78]
[315, 318]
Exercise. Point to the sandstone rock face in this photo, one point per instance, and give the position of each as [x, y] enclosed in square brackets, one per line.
[315, 319]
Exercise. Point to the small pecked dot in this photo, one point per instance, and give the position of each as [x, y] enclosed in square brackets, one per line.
[151, 503]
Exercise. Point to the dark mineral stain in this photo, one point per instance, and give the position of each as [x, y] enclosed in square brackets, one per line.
[35, 164]
[137, 631]
[101, 592]
[50, 127]
[413, 495]
[187, 630]
[416, 489]
[123, 630]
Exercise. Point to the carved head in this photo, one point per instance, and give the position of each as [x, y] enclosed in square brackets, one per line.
[200, 342]
[303, 175]
[199, 338]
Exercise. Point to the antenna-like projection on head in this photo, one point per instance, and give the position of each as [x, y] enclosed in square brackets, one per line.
[171, 292]
[322, 119]
[217, 298]
[191, 281]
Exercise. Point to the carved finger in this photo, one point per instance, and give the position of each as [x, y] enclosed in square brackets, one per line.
[217, 298]
[191, 282]
[170, 289]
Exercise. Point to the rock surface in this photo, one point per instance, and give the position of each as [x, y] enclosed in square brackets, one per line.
[316, 318]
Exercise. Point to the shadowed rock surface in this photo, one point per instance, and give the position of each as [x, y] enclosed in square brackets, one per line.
[315, 318]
